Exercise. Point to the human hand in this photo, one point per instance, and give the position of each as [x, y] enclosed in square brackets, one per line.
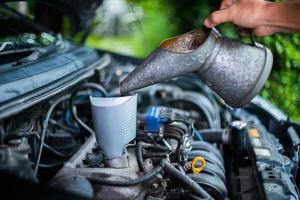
[246, 14]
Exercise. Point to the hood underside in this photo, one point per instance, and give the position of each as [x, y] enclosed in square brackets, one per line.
[51, 14]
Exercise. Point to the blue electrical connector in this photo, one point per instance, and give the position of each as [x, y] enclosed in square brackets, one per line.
[156, 116]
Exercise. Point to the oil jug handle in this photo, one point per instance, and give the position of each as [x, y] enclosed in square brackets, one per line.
[253, 40]
[252, 36]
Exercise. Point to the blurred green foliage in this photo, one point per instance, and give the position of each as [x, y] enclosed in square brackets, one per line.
[283, 86]
[166, 18]
[145, 35]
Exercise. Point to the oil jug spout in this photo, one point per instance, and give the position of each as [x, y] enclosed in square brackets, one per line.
[174, 57]
[234, 70]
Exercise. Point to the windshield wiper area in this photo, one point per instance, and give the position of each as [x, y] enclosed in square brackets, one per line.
[28, 47]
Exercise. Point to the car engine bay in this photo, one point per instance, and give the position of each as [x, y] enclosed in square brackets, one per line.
[188, 143]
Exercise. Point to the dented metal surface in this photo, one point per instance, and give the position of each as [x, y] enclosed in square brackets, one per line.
[234, 70]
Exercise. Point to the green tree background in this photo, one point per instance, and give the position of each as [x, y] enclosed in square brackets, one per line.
[166, 18]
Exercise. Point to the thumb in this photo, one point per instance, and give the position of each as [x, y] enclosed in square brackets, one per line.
[218, 17]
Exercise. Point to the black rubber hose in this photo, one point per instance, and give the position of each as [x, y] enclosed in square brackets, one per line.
[151, 155]
[139, 152]
[139, 155]
[45, 129]
[59, 125]
[213, 184]
[185, 181]
[72, 105]
[140, 180]
[213, 135]
[177, 129]
[173, 136]
[54, 151]
[156, 147]
[51, 165]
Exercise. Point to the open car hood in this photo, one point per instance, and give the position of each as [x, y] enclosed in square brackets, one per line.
[51, 14]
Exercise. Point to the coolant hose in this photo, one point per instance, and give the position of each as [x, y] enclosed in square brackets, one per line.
[185, 181]
[213, 135]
